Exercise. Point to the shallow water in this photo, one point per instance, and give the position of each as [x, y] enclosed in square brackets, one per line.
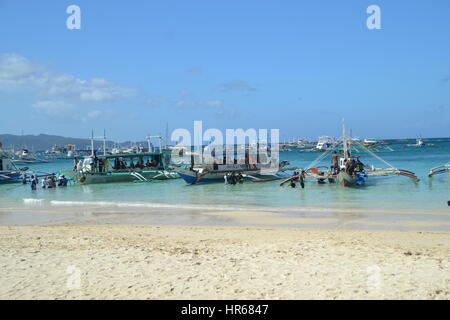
[384, 202]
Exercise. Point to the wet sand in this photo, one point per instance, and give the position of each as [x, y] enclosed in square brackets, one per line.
[101, 213]
[227, 262]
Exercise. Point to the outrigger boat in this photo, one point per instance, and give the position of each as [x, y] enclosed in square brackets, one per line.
[248, 169]
[26, 158]
[8, 171]
[325, 143]
[123, 167]
[350, 171]
[210, 173]
[419, 143]
[439, 169]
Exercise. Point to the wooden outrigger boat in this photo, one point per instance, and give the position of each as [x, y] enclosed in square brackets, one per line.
[25, 157]
[8, 171]
[349, 171]
[209, 174]
[439, 170]
[222, 168]
[123, 167]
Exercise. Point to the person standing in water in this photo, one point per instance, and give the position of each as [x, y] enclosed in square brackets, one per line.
[334, 162]
[33, 182]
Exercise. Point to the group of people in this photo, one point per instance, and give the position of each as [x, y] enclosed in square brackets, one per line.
[95, 164]
[233, 178]
[48, 182]
[298, 176]
[120, 164]
[350, 165]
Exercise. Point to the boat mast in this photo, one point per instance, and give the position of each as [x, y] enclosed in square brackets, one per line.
[104, 142]
[166, 139]
[344, 140]
[150, 149]
[92, 142]
[149, 143]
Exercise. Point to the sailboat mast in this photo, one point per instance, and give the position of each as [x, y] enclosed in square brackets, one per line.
[104, 142]
[166, 139]
[92, 143]
[344, 140]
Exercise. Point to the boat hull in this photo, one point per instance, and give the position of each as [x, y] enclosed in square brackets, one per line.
[347, 180]
[193, 177]
[113, 177]
[22, 162]
[10, 177]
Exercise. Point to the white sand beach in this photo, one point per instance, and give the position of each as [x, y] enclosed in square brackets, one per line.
[204, 262]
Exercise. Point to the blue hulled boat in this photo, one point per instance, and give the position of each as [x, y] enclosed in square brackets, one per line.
[8, 171]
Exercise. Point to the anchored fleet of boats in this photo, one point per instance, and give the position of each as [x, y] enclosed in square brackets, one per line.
[250, 163]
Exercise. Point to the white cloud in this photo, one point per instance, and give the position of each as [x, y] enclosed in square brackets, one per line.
[214, 103]
[183, 103]
[195, 71]
[92, 115]
[191, 103]
[185, 92]
[154, 102]
[96, 95]
[216, 106]
[17, 72]
[238, 86]
[56, 94]
[15, 68]
[53, 108]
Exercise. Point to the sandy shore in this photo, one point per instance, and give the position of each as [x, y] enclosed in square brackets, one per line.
[184, 262]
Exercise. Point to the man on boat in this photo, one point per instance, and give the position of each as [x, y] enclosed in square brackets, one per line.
[359, 166]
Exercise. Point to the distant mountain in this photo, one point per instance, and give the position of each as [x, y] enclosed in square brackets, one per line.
[43, 142]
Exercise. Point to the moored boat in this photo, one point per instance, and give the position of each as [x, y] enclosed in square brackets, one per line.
[8, 171]
[252, 163]
[122, 168]
[346, 168]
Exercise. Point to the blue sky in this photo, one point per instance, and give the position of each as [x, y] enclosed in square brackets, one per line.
[299, 66]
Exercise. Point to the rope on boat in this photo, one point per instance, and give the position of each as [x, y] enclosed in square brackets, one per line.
[318, 159]
[376, 156]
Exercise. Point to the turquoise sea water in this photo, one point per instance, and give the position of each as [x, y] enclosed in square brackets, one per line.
[386, 195]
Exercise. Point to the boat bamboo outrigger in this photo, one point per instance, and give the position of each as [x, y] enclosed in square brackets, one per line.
[348, 170]
[439, 170]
